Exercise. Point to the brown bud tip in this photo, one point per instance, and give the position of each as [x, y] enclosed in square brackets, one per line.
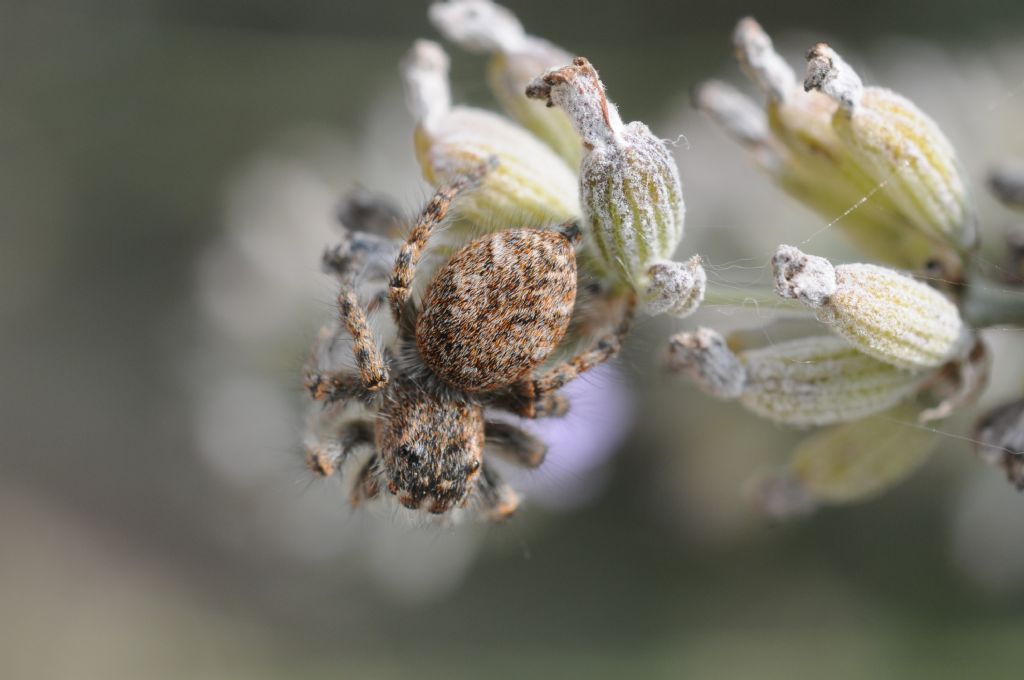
[818, 67]
[578, 90]
[830, 74]
[540, 87]
[807, 278]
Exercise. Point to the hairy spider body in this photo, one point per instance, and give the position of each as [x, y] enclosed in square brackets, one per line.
[431, 447]
[491, 315]
[498, 308]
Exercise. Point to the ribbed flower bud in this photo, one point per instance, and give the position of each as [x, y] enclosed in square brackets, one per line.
[881, 312]
[793, 140]
[629, 185]
[483, 26]
[809, 381]
[848, 463]
[999, 440]
[898, 146]
[530, 185]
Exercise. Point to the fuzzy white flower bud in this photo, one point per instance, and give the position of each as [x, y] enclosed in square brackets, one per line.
[483, 26]
[809, 381]
[676, 288]
[629, 185]
[530, 185]
[706, 358]
[763, 65]
[743, 120]
[899, 146]
[883, 313]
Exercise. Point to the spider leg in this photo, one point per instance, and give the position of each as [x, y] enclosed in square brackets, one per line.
[535, 394]
[549, 405]
[366, 211]
[367, 485]
[359, 254]
[373, 372]
[497, 501]
[409, 256]
[332, 386]
[515, 444]
[323, 458]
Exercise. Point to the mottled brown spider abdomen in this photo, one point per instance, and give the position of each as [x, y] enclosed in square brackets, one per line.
[498, 308]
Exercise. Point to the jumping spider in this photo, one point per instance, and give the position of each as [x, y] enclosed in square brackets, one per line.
[491, 315]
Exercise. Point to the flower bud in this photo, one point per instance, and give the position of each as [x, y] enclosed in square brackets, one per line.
[881, 312]
[798, 148]
[483, 26]
[629, 185]
[744, 121]
[809, 381]
[676, 288]
[899, 147]
[849, 462]
[707, 359]
[999, 440]
[530, 184]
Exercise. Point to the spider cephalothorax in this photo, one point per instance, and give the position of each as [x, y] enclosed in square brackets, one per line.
[491, 315]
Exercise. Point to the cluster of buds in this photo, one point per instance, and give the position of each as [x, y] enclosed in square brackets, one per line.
[900, 352]
[999, 434]
[864, 157]
[481, 26]
[625, 189]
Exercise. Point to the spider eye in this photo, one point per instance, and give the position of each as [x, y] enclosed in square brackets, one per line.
[407, 452]
[473, 466]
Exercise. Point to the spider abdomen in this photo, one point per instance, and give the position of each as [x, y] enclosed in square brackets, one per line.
[498, 308]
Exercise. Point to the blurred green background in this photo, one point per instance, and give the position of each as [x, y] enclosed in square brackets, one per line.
[138, 142]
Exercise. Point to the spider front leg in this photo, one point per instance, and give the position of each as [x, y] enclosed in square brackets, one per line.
[432, 215]
[358, 255]
[534, 397]
[373, 372]
[515, 444]
[495, 499]
[367, 485]
[323, 458]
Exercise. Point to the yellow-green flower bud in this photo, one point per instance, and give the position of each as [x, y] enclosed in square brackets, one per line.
[629, 187]
[809, 381]
[483, 26]
[848, 463]
[530, 185]
[898, 146]
[853, 461]
[881, 312]
[793, 140]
